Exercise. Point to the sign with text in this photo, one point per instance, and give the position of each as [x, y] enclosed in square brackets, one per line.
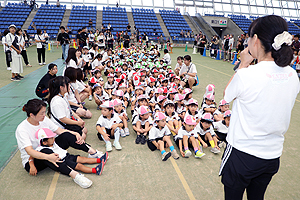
[216, 21]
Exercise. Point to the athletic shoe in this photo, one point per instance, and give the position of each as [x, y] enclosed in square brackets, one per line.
[175, 154]
[9, 68]
[215, 150]
[19, 76]
[44, 63]
[138, 139]
[98, 154]
[221, 144]
[82, 181]
[143, 139]
[166, 156]
[40, 64]
[117, 145]
[90, 98]
[29, 65]
[122, 133]
[99, 168]
[108, 146]
[187, 153]
[104, 158]
[126, 131]
[199, 154]
[15, 79]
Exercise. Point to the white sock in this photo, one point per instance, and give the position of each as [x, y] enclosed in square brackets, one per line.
[117, 135]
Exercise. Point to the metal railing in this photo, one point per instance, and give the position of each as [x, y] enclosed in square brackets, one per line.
[203, 21]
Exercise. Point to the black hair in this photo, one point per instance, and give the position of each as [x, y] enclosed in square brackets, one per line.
[54, 88]
[33, 106]
[6, 31]
[79, 30]
[203, 120]
[166, 51]
[179, 58]
[267, 28]
[51, 66]
[18, 29]
[71, 73]
[169, 104]
[38, 31]
[79, 74]
[62, 27]
[188, 57]
[43, 140]
[71, 55]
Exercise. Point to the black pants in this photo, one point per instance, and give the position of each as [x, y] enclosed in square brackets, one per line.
[25, 58]
[41, 54]
[64, 140]
[6, 56]
[243, 171]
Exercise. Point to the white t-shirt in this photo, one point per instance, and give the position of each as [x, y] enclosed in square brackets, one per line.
[96, 63]
[91, 37]
[101, 44]
[39, 44]
[107, 123]
[60, 108]
[56, 149]
[71, 95]
[183, 132]
[72, 63]
[25, 135]
[167, 58]
[264, 97]
[178, 66]
[5, 48]
[185, 68]
[143, 122]
[200, 131]
[104, 57]
[221, 127]
[155, 132]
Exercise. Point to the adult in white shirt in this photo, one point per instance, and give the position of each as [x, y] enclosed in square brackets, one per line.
[264, 95]
[101, 41]
[167, 57]
[60, 111]
[41, 46]
[188, 73]
[231, 43]
[73, 59]
[21, 43]
[34, 161]
[6, 49]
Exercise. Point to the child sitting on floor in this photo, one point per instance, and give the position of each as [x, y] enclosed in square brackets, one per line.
[119, 110]
[159, 136]
[222, 126]
[219, 113]
[99, 95]
[173, 121]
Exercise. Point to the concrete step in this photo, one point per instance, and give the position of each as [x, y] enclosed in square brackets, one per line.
[99, 19]
[65, 19]
[131, 21]
[29, 20]
[204, 28]
[194, 29]
[163, 26]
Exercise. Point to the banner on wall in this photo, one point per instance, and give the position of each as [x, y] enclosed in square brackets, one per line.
[216, 21]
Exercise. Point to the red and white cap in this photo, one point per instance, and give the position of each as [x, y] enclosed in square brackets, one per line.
[192, 101]
[118, 80]
[207, 117]
[172, 91]
[107, 104]
[143, 110]
[165, 90]
[210, 97]
[177, 77]
[136, 79]
[117, 102]
[209, 88]
[164, 79]
[43, 133]
[190, 120]
[178, 97]
[187, 91]
[160, 76]
[173, 85]
[93, 80]
[118, 93]
[139, 88]
[159, 116]
[123, 85]
[223, 103]
[227, 113]
[161, 97]
[142, 96]
[123, 76]
[110, 75]
[118, 69]
[155, 71]
[158, 90]
[151, 79]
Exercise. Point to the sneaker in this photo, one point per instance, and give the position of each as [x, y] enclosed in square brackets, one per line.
[215, 150]
[99, 168]
[126, 131]
[108, 146]
[44, 63]
[9, 68]
[122, 133]
[199, 154]
[90, 98]
[221, 144]
[143, 139]
[138, 139]
[175, 154]
[82, 181]
[187, 153]
[40, 64]
[15, 79]
[104, 158]
[29, 65]
[165, 156]
[19, 76]
[98, 154]
[117, 145]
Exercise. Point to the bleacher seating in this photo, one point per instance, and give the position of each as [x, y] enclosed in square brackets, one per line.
[117, 17]
[13, 13]
[213, 15]
[175, 22]
[48, 18]
[80, 16]
[146, 22]
[242, 21]
[293, 29]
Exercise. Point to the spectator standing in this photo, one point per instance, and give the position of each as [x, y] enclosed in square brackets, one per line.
[296, 44]
[126, 40]
[128, 28]
[6, 49]
[21, 43]
[64, 40]
[40, 45]
[161, 41]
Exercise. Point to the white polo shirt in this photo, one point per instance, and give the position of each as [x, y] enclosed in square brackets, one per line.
[182, 132]
[107, 123]
[264, 97]
[185, 68]
[220, 126]
[155, 132]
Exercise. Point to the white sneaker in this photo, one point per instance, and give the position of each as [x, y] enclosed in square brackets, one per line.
[82, 181]
[126, 131]
[40, 64]
[215, 150]
[117, 145]
[9, 68]
[108, 147]
[44, 63]
[90, 98]
[98, 154]
[122, 133]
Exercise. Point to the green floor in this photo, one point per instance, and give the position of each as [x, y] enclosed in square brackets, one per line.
[135, 172]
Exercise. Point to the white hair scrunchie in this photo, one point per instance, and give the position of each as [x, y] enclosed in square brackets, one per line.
[282, 38]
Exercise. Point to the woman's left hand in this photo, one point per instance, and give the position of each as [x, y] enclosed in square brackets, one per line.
[80, 140]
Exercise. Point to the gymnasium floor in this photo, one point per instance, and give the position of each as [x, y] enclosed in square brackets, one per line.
[135, 172]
